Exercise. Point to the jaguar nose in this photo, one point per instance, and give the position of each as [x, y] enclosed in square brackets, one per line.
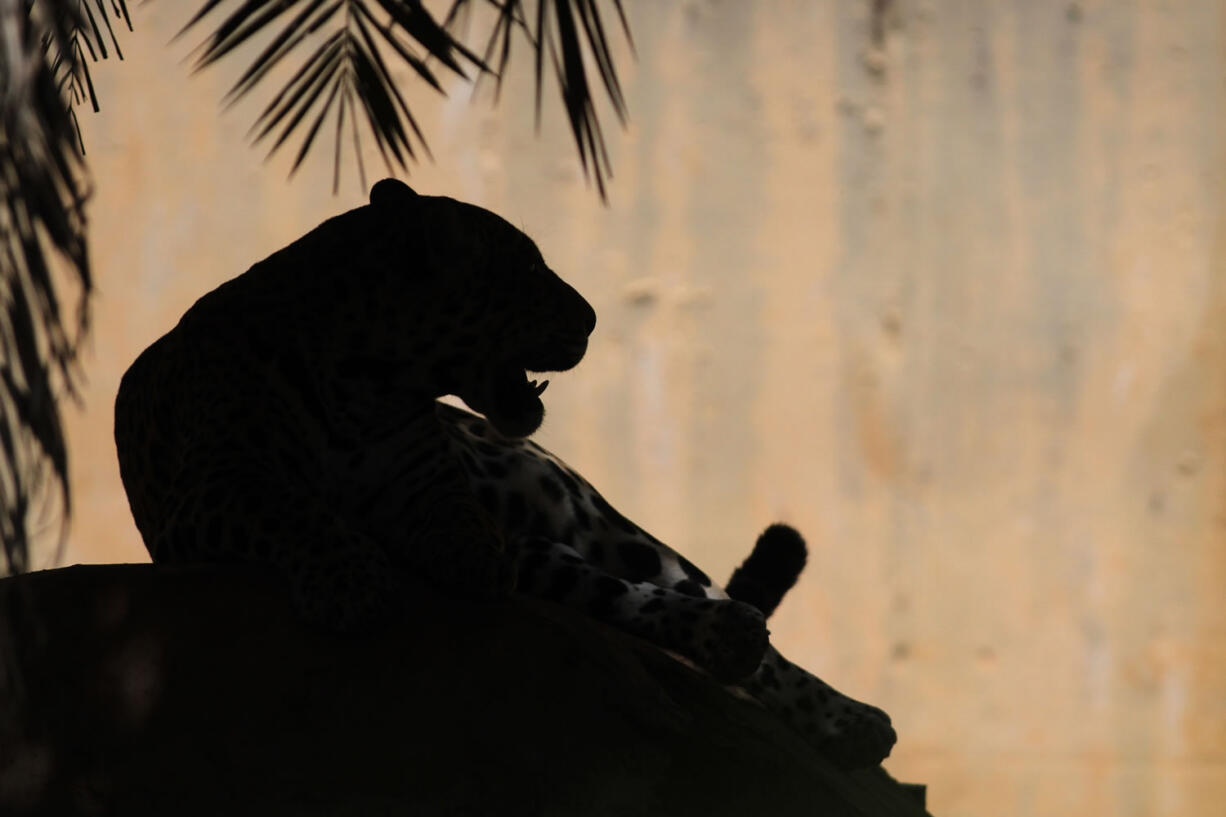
[581, 316]
[588, 316]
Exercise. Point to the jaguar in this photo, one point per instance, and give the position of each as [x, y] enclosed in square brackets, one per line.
[291, 419]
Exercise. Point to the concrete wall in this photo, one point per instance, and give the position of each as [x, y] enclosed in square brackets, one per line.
[952, 300]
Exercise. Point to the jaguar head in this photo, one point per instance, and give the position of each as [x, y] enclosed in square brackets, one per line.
[495, 314]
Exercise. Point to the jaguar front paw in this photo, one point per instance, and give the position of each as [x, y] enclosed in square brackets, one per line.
[850, 734]
[854, 735]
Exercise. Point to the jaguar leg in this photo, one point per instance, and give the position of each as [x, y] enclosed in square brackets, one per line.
[727, 638]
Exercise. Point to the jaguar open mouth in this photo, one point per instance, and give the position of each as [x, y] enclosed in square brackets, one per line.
[510, 400]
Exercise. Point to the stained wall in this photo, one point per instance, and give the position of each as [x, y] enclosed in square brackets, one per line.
[946, 289]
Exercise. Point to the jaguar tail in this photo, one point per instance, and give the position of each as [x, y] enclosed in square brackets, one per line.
[771, 569]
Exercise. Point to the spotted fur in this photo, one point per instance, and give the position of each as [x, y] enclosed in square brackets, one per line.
[576, 549]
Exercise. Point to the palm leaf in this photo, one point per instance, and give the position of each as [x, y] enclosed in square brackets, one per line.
[350, 72]
[43, 45]
[347, 67]
[556, 32]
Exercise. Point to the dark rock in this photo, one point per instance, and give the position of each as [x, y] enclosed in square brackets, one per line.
[144, 690]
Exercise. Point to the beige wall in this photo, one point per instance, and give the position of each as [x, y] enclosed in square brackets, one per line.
[955, 308]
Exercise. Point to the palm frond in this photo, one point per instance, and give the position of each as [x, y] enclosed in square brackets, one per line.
[564, 31]
[43, 73]
[343, 47]
[343, 70]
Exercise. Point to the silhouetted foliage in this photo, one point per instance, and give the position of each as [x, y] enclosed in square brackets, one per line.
[43, 75]
[343, 47]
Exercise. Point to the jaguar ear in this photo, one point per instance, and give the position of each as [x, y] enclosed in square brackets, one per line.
[391, 192]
